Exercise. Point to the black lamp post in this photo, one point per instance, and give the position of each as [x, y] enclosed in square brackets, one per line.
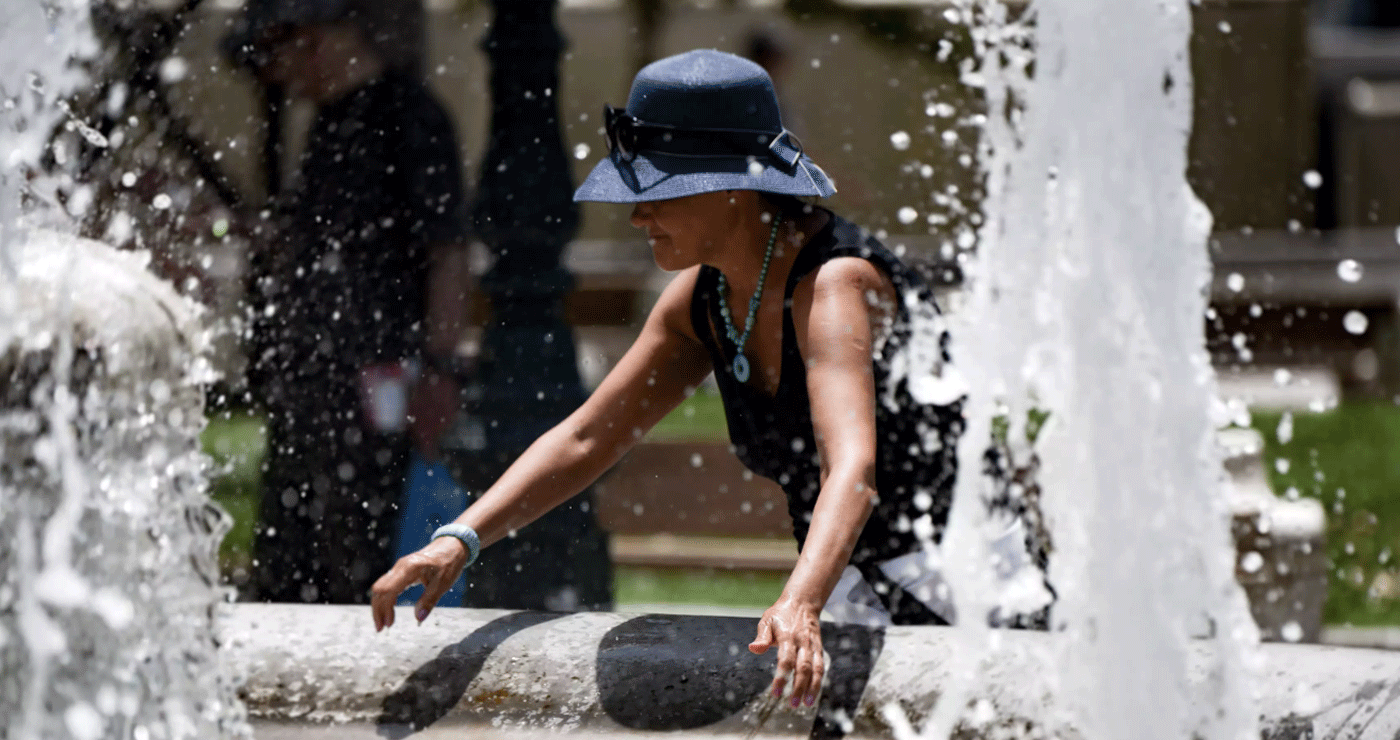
[528, 375]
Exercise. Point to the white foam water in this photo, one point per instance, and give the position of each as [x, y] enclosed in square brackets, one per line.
[109, 584]
[1086, 299]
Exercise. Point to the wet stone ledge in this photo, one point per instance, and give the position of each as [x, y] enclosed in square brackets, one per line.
[322, 669]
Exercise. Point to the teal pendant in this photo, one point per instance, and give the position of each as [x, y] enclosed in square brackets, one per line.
[741, 368]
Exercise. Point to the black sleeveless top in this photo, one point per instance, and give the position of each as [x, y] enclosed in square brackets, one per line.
[916, 440]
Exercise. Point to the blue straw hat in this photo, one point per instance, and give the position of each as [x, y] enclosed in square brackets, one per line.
[699, 122]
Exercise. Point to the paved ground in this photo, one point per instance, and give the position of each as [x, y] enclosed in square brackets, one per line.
[1387, 638]
[280, 731]
[1298, 389]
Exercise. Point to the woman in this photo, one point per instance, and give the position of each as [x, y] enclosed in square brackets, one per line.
[830, 387]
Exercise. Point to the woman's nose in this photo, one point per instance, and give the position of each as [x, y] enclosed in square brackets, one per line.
[640, 216]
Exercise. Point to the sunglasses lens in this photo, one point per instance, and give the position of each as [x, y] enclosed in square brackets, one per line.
[619, 132]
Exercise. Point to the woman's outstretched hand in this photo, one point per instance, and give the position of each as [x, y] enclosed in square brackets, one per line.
[794, 627]
[436, 566]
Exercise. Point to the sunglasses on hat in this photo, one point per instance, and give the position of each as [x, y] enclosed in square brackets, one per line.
[627, 135]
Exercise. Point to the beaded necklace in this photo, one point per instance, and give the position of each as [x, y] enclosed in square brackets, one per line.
[741, 363]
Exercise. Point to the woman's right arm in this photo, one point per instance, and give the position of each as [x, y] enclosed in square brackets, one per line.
[663, 366]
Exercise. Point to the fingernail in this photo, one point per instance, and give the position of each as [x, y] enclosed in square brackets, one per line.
[777, 692]
[796, 701]
[422, 614]
[811, 699]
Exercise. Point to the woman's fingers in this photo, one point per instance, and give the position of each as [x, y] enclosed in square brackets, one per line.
[435, 584]
[382, 597]
[435, 566]
[764, 639]
[807, 677]
[787, 661]
[802, 675]
[800, 659]
[385, 592]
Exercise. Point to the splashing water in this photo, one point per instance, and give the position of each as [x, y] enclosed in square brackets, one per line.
[108, 582]
[1092, 267]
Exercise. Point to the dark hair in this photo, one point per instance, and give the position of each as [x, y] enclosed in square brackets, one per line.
[789, 206]
[764, 48]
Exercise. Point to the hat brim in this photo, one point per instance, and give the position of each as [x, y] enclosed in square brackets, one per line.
[654, 176]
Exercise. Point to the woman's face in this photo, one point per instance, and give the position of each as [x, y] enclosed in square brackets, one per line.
[688, 231]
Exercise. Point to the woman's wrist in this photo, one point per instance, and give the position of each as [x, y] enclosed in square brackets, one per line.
[464, 535]
[804, 598]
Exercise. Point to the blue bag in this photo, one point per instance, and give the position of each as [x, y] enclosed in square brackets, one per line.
[430, 499]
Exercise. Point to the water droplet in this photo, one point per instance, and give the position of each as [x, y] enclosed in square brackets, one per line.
[923, 501]
[907, 215]
[1349, 270]
[1285, 428]
[129, 179]
[581, 151]
[84, 722]
[1313, 179]
[173, 69]
[1224, 26]
[1251, 562]
[160, 202]
[755, 168]
[926, 171]
[1282, 464]
[899, 140]
[1235, 282]
[1355, 322]
[1292, 632]
[696, 460]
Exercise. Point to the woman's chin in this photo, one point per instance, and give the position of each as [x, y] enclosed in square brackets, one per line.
[667, 257]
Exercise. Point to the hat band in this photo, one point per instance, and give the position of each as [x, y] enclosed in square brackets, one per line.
[627, 136]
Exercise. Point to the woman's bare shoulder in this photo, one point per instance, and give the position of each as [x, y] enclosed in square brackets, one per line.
[843, 276]
[673, 308]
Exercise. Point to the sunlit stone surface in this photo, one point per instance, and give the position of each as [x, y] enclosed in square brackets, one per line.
[525, 674]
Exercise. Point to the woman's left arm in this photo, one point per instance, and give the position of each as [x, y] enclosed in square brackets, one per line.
[837, 312]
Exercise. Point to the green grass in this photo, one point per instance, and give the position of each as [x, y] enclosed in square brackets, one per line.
[1349, 459]
[236, 443]
[748, 589]
[699, 417]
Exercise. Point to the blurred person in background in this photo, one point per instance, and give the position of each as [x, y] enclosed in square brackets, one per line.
[358, 294]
